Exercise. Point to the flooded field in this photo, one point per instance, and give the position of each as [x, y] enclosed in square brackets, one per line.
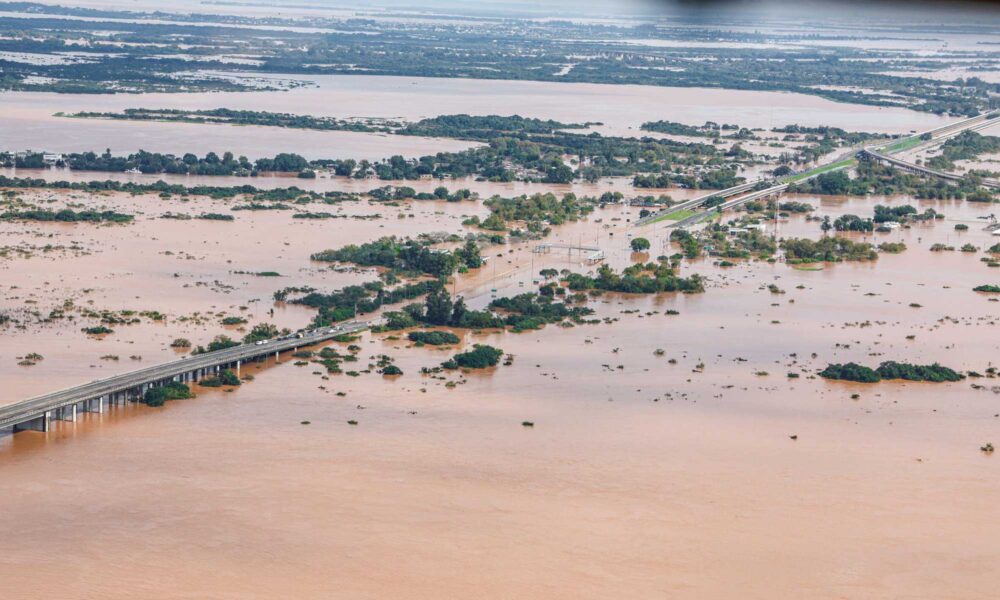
[672, 475]
[28, 120]
[662, 446]
[31, 128]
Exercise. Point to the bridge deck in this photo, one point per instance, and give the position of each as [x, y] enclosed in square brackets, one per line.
[915, 168]
[695, 202]
[37, 407]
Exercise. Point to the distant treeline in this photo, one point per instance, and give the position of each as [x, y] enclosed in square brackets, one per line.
[881, 180]
[171, 189]
[515, 148]
[128, 51]
[67, 215]
[709, 129]
[228, 116]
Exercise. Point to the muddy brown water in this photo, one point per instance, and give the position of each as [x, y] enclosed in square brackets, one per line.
[653, 479]
[28, 121]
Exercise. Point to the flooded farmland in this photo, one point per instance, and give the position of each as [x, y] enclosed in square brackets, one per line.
[813, 417]
[28, 120]
[426, 481]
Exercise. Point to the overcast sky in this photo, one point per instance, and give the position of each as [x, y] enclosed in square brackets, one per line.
[711, 5]
[841, 9]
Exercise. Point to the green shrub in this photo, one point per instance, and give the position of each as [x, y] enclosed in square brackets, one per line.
[226, 377]
[934, 373]
[480, 357]
[99, 330]
[392, 370]
[434, 338]
[850, 372]
[261, 332]
[221, 342]
[174, 390]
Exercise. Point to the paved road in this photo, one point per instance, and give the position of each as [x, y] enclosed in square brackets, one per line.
[937, 136]
[978, 122]
[36, 407]
[696, 202]
[915, 168]
[694, 219]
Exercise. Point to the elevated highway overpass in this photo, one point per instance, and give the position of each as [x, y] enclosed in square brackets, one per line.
[697, 202]
[747, 193]
[910, 167]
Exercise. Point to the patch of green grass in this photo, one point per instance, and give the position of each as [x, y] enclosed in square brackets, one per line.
[903, 144]
[675, 216]
[847, 162]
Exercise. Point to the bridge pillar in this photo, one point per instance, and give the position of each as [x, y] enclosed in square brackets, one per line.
[95, 405]
[37, 424]
[238, 368]
[65, 413]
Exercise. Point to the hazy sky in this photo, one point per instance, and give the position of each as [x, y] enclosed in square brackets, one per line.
[843, 9]
[981, 12]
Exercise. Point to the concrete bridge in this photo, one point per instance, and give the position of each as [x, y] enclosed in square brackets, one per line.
[902, 165]
[746, 193]
[37, 413]
[696, 202]
[741, 200]
[982, 121]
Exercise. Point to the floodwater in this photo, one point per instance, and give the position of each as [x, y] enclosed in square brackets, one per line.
[35, 128]
[27, 119]
[641, 477]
